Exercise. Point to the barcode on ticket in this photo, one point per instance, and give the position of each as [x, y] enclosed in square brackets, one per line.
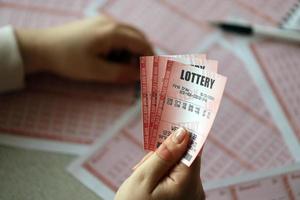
[193, 139]
[188, 157]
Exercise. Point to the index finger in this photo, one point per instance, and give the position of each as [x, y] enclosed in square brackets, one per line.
[182, 173]
[128, 38]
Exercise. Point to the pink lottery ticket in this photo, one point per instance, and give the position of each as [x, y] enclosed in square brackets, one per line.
[146, 64]
[149, 88]
[159, 68]
[190, 98]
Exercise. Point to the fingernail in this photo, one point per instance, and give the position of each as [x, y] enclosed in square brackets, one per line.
[179, 135]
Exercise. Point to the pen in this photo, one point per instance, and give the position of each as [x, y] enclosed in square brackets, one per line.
[258, 30]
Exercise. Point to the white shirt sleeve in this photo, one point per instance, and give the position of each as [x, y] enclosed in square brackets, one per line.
[11, 65]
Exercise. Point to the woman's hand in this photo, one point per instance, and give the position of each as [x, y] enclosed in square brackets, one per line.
[161, 176]
[85, 50]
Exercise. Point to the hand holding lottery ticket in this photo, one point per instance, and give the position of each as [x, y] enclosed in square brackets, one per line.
[179, 91]
[159, 176]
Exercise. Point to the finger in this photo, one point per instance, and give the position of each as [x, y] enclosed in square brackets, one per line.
[182, 173]
[143, 160]
[166, 156]
[96, 69]
[134, 30]
[194, 173]
[136, 35]
[121, 37]
[129, 40]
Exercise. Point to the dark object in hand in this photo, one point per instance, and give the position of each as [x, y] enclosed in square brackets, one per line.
[123, 56]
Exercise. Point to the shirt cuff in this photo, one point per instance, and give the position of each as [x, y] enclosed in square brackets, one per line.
[11, 65]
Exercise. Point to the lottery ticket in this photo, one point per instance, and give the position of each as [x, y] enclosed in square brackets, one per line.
[190, 98]
[159, 66]
[152, 70]
[145, 72]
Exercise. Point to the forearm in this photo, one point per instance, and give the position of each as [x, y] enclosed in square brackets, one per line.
[34, 49]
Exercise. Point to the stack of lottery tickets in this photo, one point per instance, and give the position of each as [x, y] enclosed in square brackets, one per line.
[179, 91]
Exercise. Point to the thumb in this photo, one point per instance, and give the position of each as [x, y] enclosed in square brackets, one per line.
[166, 156]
